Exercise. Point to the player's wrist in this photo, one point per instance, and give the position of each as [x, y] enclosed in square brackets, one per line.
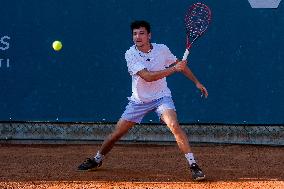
[174, 68]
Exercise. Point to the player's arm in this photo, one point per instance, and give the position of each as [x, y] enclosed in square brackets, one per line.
[150, 76]
[188, 73]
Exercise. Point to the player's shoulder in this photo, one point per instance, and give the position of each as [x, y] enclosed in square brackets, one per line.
[160, 46]
[131, 51]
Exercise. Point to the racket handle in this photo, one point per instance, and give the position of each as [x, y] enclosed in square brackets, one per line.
[186, 53]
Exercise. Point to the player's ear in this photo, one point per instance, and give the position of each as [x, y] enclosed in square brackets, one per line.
[149, 36]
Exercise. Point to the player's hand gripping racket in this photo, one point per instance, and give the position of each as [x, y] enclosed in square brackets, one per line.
[197, 19]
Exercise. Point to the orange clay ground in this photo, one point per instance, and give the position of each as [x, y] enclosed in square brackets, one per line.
[141, 166]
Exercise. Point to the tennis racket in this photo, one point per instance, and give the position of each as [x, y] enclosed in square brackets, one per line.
[197, 20]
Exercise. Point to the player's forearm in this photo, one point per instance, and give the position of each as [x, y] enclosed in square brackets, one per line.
[188, 73]
[156, 75]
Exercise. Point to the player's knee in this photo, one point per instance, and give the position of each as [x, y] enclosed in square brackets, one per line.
[174, 126]
[117, 135]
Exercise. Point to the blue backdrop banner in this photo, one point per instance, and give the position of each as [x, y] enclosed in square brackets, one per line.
[239, 59]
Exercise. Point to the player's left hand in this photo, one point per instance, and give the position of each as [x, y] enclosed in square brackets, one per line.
[202, 89]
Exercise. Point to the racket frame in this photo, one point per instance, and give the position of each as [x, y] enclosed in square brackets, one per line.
[188, 42]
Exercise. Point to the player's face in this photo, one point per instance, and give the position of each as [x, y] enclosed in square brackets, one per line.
[141, 37]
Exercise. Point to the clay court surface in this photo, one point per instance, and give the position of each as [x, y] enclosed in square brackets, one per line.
[141, 166]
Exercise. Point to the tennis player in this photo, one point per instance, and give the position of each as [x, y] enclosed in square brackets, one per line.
[149, 64]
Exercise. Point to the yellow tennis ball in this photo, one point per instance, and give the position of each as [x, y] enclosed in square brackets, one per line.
[57, 45]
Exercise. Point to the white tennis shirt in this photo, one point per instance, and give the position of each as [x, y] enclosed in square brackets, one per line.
[157, 59]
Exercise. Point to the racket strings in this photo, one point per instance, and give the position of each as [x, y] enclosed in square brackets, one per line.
[197, 19]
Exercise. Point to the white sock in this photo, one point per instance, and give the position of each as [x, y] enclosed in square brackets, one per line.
[99, 157]
[190, 158]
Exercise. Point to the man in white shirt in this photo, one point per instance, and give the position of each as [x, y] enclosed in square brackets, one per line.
[149, 64]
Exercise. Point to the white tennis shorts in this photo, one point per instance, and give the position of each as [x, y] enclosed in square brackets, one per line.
[135, 111]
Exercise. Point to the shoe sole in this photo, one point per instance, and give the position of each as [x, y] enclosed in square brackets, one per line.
[87, 170]
[199, 178]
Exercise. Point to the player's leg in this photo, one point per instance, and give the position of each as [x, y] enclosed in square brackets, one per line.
[166, 112]
[170, 118]
[121, 128]
[134, 112]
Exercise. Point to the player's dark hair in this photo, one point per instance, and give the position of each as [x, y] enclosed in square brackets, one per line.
[140, 23]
